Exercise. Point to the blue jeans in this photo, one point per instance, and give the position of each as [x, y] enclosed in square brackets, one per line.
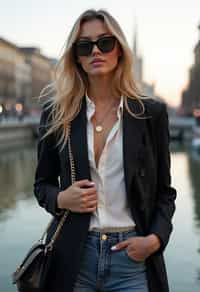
[104, 270]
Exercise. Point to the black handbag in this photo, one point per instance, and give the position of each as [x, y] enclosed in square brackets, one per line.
[31, 274]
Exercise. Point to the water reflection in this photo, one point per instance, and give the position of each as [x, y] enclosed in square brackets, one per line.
[194, 172]
[183, 249]
[194, 165]
[22, 221]
[16, 176]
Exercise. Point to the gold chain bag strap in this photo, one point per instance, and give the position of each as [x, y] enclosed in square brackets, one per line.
[31, 274]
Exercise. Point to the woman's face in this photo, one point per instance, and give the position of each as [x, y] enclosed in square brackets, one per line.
[97, 63]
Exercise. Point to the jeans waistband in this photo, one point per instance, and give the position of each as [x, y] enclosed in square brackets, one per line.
[121, 233]
[113, 229]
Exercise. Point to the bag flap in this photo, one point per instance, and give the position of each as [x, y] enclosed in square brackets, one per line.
[33, 253]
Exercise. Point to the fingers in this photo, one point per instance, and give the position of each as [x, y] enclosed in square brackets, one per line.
[87, 187]
[134, 248]
[88, 192]
[92, 209]
[89, 206]
[89, 202]
[88, 198]
[84, 183]
[92, 205]
[88, 195]
[120, 245]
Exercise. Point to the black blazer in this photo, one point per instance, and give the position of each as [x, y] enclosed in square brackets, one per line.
[148, 188]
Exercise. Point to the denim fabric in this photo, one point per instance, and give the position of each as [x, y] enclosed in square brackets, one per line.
[104, 270]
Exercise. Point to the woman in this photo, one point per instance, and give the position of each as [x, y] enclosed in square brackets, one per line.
[121, 203]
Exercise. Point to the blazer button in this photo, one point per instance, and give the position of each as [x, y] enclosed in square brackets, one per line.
[142, 172]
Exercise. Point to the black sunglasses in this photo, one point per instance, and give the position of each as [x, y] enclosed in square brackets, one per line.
[84, 47]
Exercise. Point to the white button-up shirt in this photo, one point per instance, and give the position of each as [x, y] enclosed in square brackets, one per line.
[112, 209]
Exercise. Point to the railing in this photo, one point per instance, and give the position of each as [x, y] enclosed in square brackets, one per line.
[180, 128]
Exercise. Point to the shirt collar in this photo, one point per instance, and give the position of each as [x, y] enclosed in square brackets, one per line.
[91, 106]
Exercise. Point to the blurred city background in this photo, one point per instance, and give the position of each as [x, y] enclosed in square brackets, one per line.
[165, 39]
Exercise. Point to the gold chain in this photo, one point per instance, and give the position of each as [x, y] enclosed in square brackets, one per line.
[99, 126]
[66, 213]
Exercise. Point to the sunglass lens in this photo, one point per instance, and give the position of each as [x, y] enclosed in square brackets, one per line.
[83, 48]
[106, 44]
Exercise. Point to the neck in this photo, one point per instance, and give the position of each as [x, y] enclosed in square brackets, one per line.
[99, 90]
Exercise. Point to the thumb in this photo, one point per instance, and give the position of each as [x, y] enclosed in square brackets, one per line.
[120, 245]
[84, 183]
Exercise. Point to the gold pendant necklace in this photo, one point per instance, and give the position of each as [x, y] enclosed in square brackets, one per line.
[99, 127]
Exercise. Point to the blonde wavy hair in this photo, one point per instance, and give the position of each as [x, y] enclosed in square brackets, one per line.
[71, 82]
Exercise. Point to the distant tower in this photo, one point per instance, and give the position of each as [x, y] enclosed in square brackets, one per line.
[147, 89]
[137, 60]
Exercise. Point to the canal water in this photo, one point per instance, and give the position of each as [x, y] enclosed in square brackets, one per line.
[22, 220]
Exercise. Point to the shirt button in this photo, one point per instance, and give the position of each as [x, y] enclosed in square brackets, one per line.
[104, 237]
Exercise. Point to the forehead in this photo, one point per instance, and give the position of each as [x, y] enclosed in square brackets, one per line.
[93, 28]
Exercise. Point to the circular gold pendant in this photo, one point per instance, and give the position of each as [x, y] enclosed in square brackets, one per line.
[99, 128]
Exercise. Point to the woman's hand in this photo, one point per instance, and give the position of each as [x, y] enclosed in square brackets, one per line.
[139, 247]
[79, 197]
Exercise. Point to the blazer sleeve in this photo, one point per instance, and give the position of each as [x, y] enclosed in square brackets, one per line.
[46, 183]
[161, 224]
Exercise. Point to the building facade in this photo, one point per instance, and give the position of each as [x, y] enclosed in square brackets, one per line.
[24, 72]
[191, 95]
[41, 72]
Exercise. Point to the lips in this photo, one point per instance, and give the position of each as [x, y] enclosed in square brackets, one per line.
[97, 61]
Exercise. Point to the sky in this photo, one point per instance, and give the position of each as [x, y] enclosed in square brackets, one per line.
[166, 31]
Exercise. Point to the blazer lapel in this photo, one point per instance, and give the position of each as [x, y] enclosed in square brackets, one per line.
[133, 134]
[133, 141]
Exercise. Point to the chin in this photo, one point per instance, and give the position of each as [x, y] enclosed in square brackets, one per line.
[99, 72]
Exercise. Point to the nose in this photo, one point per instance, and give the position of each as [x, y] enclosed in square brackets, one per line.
[95, 49]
